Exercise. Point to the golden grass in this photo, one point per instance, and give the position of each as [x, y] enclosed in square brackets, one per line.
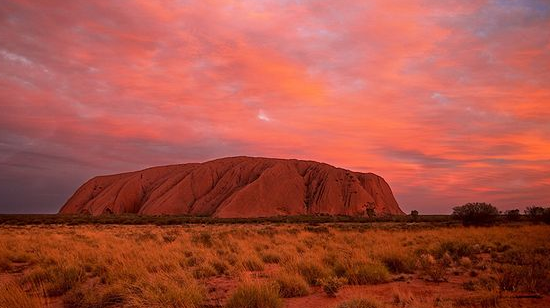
[154, 266]
[255, 295]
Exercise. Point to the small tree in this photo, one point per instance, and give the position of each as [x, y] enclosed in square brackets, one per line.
[513, 215]
[546, 215]
[538, 214]
[535, 213]
[371, 213]
[476, 213]
[369, 209]
[414, 215]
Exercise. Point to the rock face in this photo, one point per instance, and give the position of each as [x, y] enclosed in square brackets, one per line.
[236, 187]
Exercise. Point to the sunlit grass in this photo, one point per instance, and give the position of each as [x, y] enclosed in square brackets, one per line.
[150, 266]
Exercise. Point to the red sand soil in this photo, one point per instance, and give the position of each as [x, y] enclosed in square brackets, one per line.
[236, 187]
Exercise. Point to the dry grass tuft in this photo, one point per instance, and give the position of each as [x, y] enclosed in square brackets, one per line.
[291, 285]
[255, 295]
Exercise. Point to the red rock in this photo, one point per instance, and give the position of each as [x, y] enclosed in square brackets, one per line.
[236, 187]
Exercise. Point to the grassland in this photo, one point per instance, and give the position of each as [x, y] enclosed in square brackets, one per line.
[274, 264]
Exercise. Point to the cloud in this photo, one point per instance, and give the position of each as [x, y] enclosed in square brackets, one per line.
[263, 116]
[447, 100]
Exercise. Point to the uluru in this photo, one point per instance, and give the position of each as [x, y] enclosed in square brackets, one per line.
[236, 187]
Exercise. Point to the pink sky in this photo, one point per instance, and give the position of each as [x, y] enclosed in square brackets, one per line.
[448, 100]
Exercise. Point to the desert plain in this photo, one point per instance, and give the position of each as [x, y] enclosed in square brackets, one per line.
[299, 265]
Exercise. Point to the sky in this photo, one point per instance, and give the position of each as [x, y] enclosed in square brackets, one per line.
[448, 100]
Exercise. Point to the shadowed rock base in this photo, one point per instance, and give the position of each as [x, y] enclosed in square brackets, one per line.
[236, 187]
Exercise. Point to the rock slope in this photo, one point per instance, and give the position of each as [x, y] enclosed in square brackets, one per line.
[236, 187]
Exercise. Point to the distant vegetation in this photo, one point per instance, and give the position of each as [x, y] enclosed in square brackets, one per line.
[538, 214]
[468, 214]
[133, 219]
[476, 213]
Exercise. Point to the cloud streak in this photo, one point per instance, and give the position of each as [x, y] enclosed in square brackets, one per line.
[448, 101]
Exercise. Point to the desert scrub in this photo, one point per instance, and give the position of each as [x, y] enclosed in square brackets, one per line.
[159, 291]
[204, 238]
[455, 249]
[331, 285]
[13, 296]
[311, 270]
[255, 295]
[362, 272]
[398, 263]
[431, 268]
[360, 303]
[108, 296]
[527, 278]
[291, 285]
[270, 257]
[252, 263]
[204, 271]
[57, 280]
[220, 266]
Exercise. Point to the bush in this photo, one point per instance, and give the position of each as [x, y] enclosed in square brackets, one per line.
[513, 215]
[253, 263]
[434, 270]
[164, 291]
[331, 285]
[362, 273]
[398, 263]
[538, 214]
[455, 249]
[360, 303]
[311, 271]
[414, 215]
[476, 213]
[291, 285]
[255, 295]
[204, 238]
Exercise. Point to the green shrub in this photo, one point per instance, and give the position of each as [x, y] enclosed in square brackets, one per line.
[476, 213]
[255, 295]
